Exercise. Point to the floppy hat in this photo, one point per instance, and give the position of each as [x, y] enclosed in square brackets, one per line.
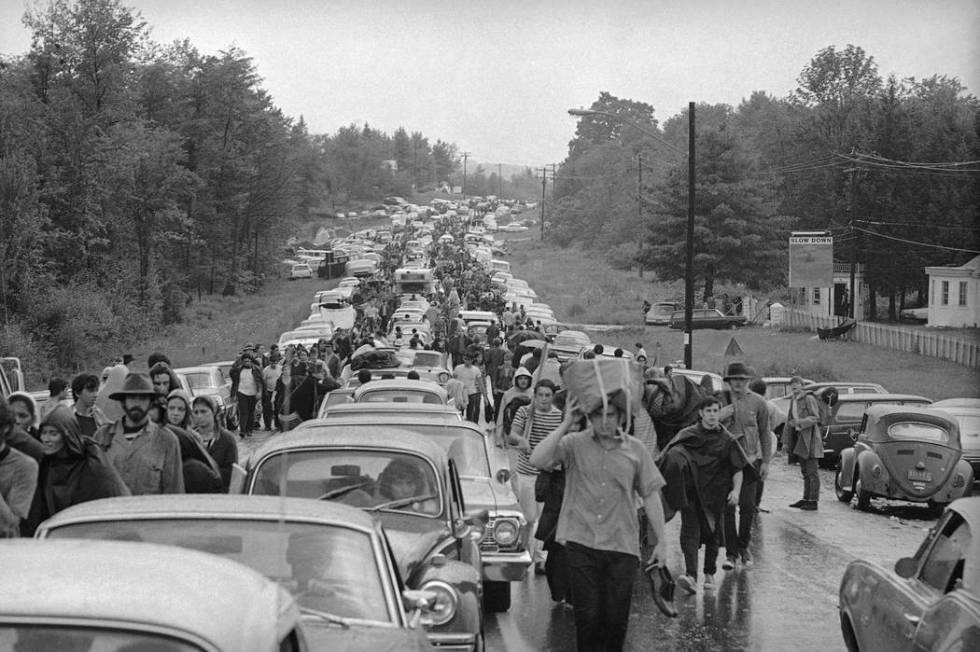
[738, 371]
[134, 385]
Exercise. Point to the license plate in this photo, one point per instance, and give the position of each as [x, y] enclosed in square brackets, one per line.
[921, 476]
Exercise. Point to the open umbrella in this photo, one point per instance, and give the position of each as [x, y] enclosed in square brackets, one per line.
[522, 336]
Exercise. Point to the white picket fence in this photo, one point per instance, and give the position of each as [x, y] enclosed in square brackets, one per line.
[897, 338]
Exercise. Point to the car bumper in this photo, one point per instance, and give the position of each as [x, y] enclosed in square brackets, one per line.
[452, 641]
[505, 566]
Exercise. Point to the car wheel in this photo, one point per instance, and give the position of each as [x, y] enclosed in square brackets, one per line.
[864, 497]
[496, 596]
[843, 495]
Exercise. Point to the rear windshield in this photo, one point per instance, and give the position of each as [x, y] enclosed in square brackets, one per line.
[70, 637]
[199, 380]
[918, 431]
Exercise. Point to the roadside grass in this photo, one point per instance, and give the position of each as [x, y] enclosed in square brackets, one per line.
[216, 327]
[583, 289]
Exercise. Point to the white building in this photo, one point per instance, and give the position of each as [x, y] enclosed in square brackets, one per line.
[954, 295]
[835, 301]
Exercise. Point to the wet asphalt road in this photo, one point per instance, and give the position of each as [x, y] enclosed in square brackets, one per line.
[787, 600]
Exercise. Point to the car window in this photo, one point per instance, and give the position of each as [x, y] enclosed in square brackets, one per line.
[943, 566]
[68, 637]
[969, 431]
[850, 411]
[918, 431]
[199, 380]
[360, 478]
[399, 396]
[326, 567]
[427, 359]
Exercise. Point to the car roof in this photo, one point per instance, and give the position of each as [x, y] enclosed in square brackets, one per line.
[218, 506]
[319, 433]
[401, 384]
[197, 370]
[143, 585]
[409, 411]
[957, 403]
[873, 397]
[891, 413]
[396, 421]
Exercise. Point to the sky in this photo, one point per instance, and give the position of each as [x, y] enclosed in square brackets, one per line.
[497, 77]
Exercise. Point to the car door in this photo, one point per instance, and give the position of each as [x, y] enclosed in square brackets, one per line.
[900, 606]
[941, 576]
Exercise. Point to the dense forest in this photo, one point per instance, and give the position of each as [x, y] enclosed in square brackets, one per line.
[890, 167]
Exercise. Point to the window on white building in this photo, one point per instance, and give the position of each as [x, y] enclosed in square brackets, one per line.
[816, 296]
[945, 297]
[962, 293]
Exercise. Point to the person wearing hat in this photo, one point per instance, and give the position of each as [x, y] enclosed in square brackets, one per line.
[745, 415]
[145, 454]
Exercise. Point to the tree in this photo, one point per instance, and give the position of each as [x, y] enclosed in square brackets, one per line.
[738, 237]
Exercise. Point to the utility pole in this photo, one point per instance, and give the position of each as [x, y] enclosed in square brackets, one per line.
[544, 183]
[500, 181]
[689, 265]
[639, 206]
[466, 155]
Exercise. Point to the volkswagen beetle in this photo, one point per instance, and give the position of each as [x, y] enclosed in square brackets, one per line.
[904, 453]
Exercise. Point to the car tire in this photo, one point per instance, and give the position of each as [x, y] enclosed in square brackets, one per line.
[863, 497]
[496, 596]
[843, 495]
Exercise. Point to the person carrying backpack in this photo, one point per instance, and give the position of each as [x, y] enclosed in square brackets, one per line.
[803, 425]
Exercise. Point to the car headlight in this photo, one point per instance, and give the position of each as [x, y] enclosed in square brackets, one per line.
[443, 378]
[443, 607]
[505, 531]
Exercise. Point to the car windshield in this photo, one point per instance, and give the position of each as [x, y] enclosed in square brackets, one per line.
[918, 431]
[428, 359]
[73, 637]
[572, 339]
[366, 479]
[969, 431]
[399, 396]
[200, 380]
[326, 567]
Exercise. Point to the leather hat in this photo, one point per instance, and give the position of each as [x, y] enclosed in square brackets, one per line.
[738, 371]
[134, 385]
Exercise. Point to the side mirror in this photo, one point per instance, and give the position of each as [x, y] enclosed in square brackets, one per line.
[906, 567]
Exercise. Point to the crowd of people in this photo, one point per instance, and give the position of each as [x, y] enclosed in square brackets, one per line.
[598, 480]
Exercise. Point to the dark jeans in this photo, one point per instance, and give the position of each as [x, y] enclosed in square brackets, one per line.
[473, 408]
[811, 479]
[737, 540]
[267, 414]
[556, 571]
[693, 533]
[246, 413]
[602, 587]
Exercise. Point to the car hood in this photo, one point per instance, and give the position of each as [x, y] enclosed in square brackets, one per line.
[484, 493]
[323, 636]
[412, 538]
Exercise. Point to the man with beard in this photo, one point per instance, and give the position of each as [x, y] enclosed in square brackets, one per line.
[146, 455]
[703, 469]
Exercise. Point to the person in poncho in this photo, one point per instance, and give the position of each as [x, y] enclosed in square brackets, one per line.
[703, 466]
[74, 469]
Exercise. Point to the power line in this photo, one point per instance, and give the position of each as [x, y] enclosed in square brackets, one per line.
[913, 242]
[931, 225]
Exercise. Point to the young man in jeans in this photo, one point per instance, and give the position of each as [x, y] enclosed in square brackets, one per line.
[605, 469]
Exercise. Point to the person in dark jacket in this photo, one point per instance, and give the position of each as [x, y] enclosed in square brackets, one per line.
[703, 467]
[74, 469]
[246, 387]
[218, 442]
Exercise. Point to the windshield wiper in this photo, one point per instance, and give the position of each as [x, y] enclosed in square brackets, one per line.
[402, 502]
[340, 491]
[333, 619]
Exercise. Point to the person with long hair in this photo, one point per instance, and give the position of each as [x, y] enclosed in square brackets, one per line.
[201, 472]
[74, 469]
[219, 442]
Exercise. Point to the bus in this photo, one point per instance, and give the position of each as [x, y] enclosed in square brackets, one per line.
[414, 281]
